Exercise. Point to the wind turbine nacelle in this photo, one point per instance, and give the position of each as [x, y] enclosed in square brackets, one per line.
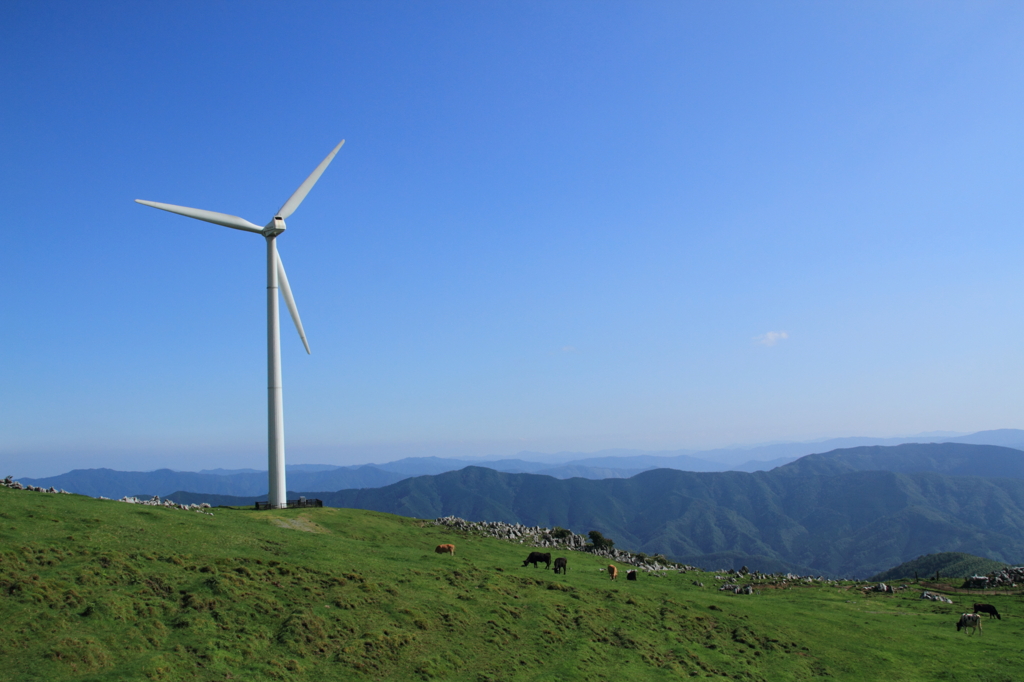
[275, 227]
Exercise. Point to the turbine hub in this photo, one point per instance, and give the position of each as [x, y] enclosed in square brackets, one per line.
[274, 227]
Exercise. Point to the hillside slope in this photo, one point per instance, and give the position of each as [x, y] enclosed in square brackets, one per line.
[838, 513]
[103, 591]
[946, 564]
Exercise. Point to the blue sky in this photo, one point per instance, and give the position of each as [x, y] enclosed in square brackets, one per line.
[553, 226]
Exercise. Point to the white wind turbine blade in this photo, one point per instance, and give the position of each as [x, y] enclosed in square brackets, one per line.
[209, 216]
[300, 194]
[287, 291]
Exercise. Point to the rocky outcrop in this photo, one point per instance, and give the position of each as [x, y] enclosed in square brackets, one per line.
[935, 596]
[9, 482]
[738, 589]
[154, 501]
[1005, 578]
[556, 538]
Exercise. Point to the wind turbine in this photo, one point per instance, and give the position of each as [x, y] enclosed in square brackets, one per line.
[276, 277]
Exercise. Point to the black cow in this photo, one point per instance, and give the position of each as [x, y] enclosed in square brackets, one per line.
[989, 609]
[536, 557]
[561, 564]
[631, 575]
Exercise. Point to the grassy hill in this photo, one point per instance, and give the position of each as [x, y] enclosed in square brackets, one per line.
[101, 590]
[948, 564]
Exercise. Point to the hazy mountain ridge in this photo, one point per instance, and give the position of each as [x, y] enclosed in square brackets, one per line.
[740, 458]
[116, 484]
[954, 459]
[605, 464]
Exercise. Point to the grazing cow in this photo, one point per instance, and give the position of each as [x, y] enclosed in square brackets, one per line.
[969, 620]
[536, 557]
[989, 609]
[613, 572]
[445, 549]
[631, 575]
[561, 564]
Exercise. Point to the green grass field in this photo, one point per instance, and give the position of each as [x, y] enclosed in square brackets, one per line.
[101, 590]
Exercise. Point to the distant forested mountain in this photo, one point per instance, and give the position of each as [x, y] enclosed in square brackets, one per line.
[839, 513]
[247, 483]
[959, 458]
[116, 484]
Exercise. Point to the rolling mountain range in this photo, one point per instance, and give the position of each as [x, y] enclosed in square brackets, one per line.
[605, 464]
[251, 482]
[116, 484]
[838, 513]
[762, 457]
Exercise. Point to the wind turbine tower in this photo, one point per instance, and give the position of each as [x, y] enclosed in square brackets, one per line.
[277, 280]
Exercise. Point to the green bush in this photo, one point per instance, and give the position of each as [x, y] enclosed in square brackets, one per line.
[599, 541]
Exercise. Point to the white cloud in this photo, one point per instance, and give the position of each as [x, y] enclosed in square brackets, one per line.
[771, 338]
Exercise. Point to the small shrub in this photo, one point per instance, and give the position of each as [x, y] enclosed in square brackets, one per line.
[599, 541]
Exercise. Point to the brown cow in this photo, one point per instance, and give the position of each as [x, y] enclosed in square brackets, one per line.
[445, 549]
[613, 572]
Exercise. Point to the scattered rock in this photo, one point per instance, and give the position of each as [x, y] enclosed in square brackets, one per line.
[934, 596]
[1005, 578]
[537, 536]
[154, 501]
[9, 482]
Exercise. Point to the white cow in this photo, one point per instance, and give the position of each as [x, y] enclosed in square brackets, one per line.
[969, 620]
